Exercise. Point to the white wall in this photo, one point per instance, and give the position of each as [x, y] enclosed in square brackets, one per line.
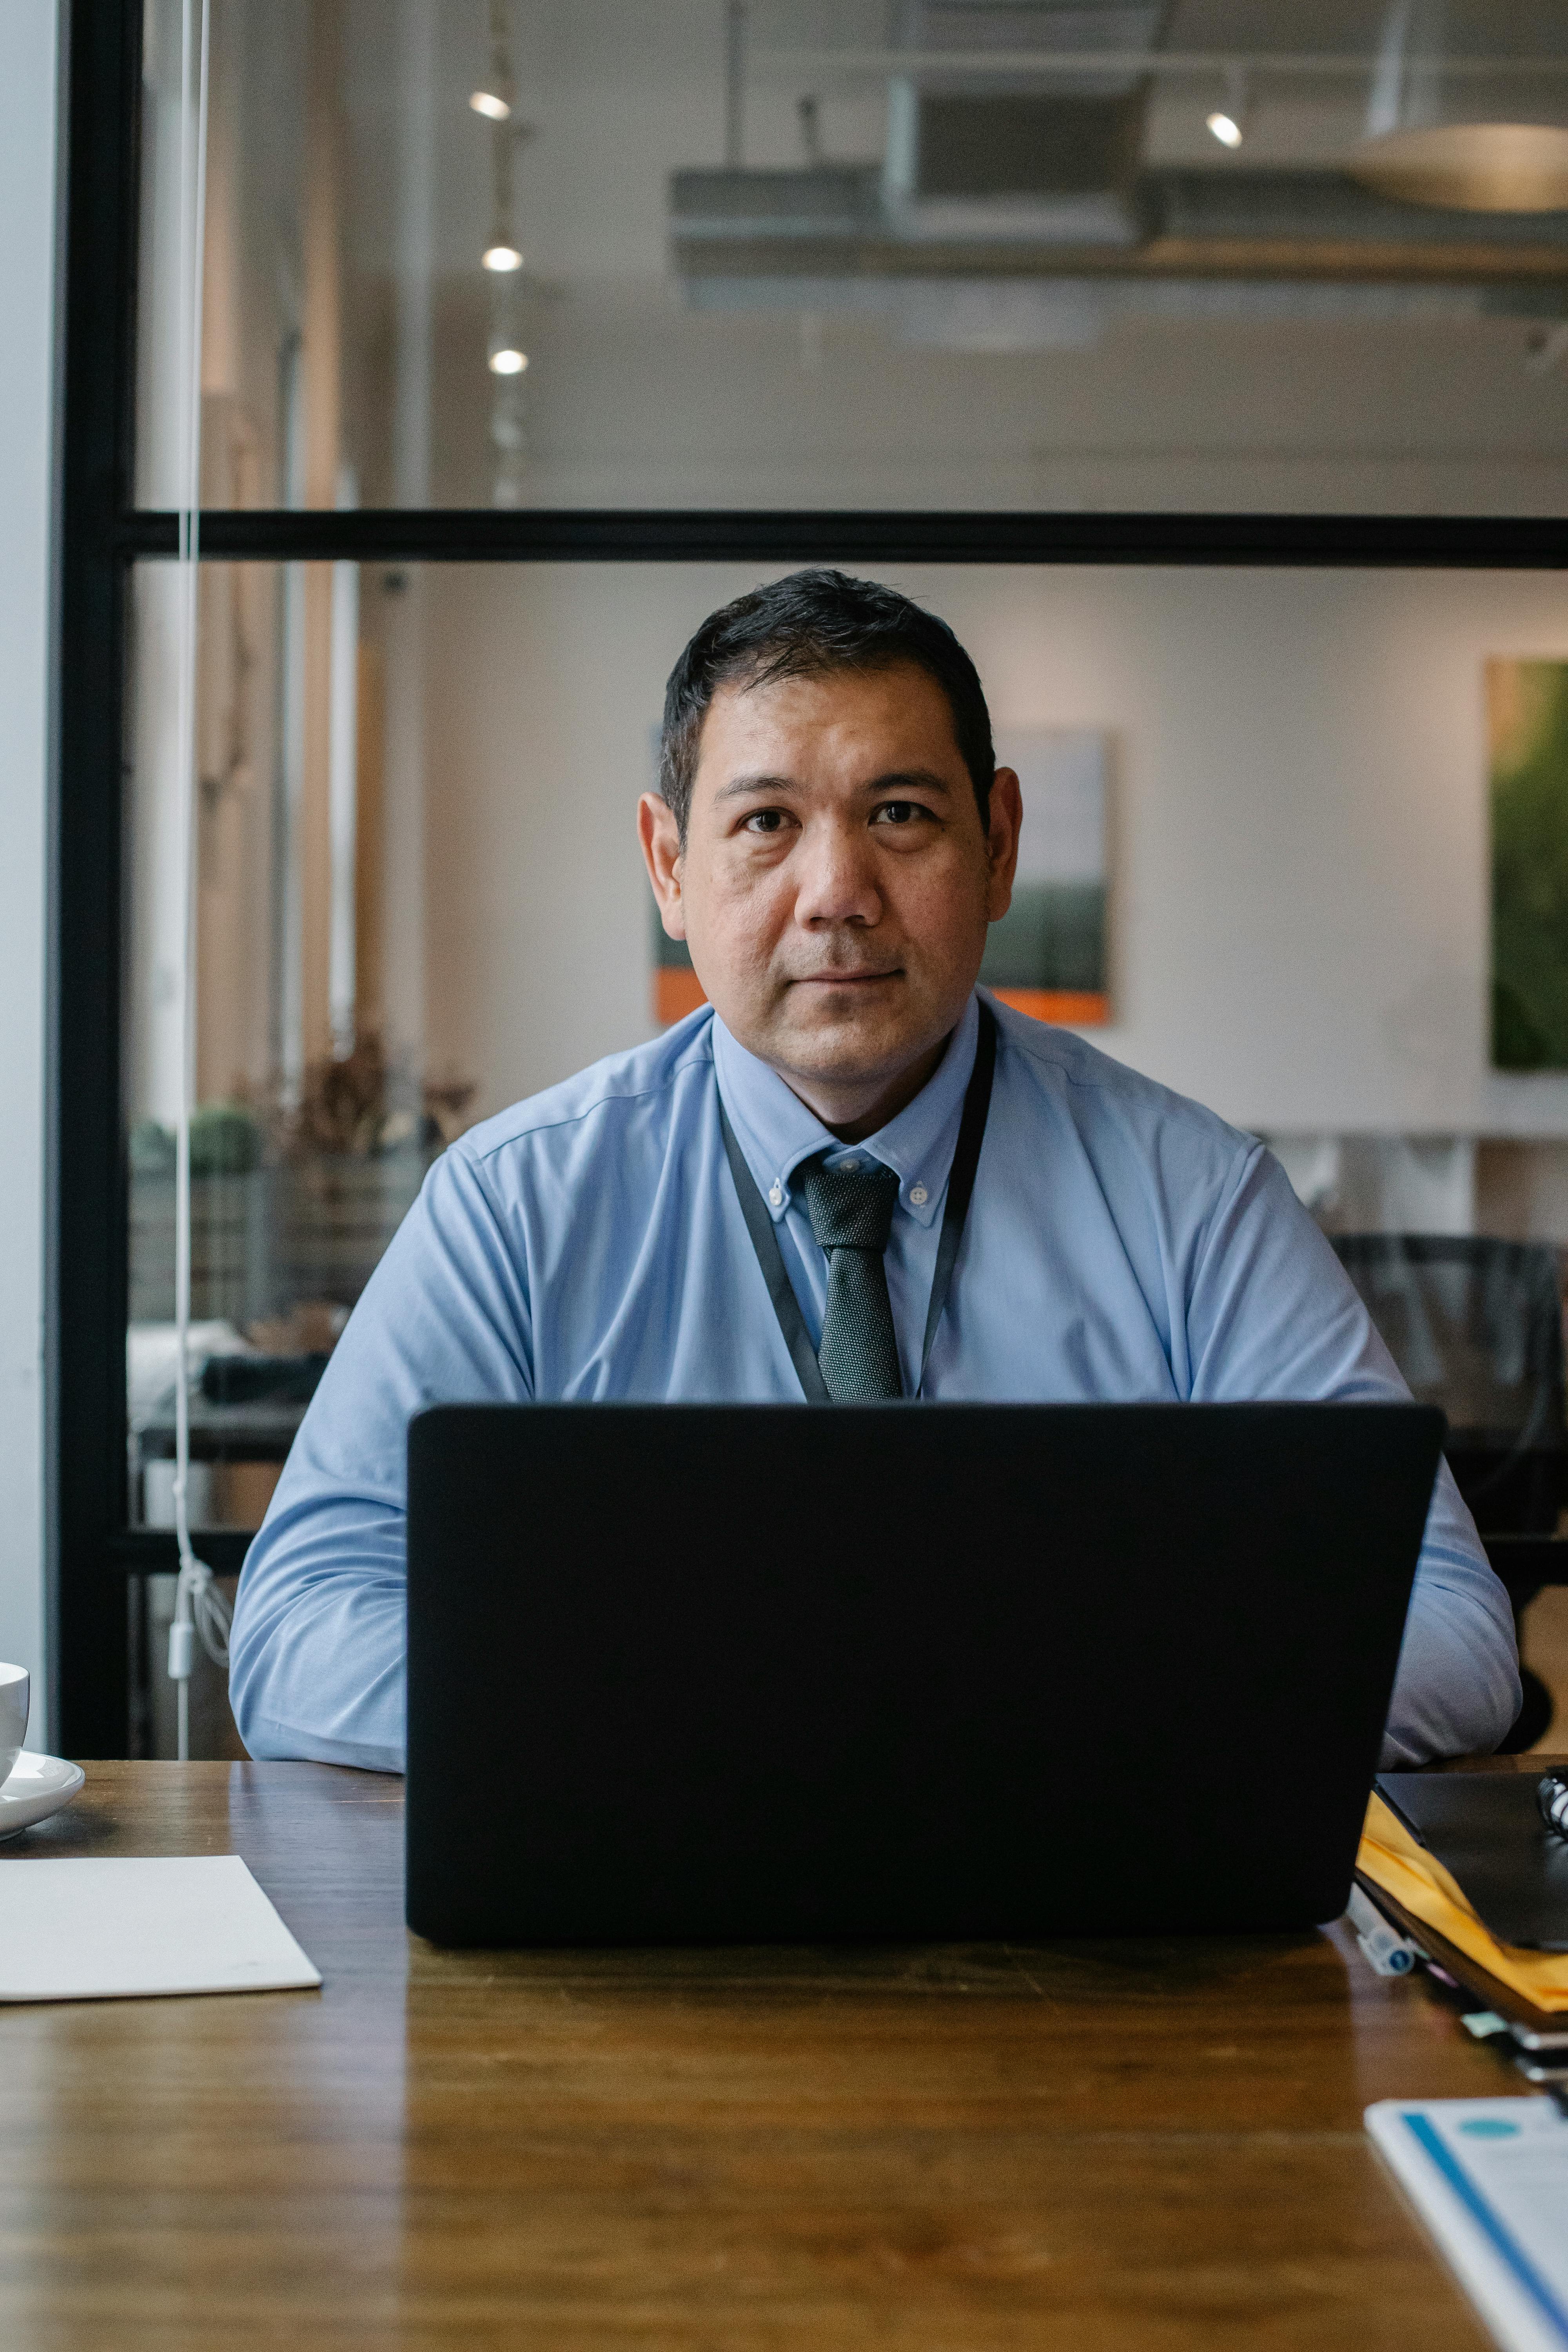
[1300, 895]
[27, 134]
[1302, 915]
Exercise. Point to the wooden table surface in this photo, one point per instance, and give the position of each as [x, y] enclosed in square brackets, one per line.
[1134, 2143]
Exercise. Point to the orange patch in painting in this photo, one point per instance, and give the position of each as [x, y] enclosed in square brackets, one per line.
[1073, 1008]
[676, 993]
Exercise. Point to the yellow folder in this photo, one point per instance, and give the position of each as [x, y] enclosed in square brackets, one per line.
[1392, 1860]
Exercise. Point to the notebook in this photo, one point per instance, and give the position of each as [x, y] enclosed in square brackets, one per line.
[109, 1927]
[1490, 2179]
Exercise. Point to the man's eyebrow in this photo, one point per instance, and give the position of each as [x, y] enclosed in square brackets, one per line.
[915, 780]
[740, 785]
[919, 780]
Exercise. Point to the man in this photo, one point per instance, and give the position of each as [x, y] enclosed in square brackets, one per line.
[752, 1206]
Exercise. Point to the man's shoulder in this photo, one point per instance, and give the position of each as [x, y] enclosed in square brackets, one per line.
[1094, 1090]
[640, 1085]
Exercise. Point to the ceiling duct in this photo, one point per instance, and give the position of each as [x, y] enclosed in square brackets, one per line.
[1016, 208]
[1043, 156]
[829, 221]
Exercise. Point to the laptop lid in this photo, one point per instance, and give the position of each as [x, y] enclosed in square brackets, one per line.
[754, 1674]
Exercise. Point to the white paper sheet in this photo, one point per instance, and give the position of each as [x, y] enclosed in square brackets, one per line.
[105, 1928]
[1490, 2179]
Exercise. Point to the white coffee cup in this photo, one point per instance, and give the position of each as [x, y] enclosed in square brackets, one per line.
[14, 1690]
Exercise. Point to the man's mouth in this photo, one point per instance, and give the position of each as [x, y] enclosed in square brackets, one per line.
[847, 979]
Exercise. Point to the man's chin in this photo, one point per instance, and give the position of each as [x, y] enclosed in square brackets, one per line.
[850, 1043]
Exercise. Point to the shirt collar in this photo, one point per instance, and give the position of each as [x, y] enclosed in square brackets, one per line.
[775, 1130]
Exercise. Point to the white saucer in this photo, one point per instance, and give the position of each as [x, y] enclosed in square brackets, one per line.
[39, 1786]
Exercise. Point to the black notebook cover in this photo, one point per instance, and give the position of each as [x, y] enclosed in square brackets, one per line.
[1486, 1829]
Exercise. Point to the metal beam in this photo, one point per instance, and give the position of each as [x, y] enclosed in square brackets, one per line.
[87, 1241]
[772, 535]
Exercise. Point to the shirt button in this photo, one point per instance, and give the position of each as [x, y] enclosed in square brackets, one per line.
[852, 1167]
[919, 1196]
[775, 1194]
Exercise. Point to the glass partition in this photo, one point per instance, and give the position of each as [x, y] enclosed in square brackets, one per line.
[1256, 864]
[1293, 838]
[927, 253]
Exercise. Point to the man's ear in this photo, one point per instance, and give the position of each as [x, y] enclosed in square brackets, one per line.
[1006, 819]
[660, 838]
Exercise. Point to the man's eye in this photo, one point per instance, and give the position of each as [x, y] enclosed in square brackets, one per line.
[900, 812]
[765, 821]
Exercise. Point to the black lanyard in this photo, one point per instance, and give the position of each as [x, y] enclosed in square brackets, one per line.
[960, 1185]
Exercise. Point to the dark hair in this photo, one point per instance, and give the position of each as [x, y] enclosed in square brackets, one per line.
[811, 623]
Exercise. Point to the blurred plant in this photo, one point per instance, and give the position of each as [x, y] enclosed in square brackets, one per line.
[352, 1105]
[226, 1140]
[152, 1149]
[360, 1104]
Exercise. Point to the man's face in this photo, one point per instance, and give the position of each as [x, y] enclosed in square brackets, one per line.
[837, 881]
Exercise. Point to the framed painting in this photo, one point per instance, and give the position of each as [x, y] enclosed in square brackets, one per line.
[1047, 954]
[1527, 729]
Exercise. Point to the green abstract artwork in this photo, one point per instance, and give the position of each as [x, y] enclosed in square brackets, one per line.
[1527, 718]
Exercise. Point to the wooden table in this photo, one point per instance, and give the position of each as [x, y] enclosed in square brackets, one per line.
[1141, 2143]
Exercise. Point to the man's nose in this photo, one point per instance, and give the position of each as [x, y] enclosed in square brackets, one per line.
[837, 877]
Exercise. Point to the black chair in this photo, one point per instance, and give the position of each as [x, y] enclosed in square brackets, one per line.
[1476, 1326]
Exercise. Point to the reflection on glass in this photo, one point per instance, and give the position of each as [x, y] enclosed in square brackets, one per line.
[927, 253]
[317, 1111]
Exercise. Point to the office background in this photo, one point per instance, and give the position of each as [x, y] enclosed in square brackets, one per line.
[419, 891]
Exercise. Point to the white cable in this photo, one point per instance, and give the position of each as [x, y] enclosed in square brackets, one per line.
[200, 1609]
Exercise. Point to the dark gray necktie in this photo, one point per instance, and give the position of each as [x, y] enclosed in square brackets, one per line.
[851, 1212]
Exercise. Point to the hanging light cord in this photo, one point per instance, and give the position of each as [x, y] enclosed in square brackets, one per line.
[201, 1610]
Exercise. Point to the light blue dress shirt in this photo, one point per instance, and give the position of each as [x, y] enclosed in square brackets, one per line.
[1123, 1245]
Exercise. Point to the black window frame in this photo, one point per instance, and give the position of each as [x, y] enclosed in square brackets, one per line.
[92, 1548]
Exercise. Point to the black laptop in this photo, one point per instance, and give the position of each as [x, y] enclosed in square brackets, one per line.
[757, 1674]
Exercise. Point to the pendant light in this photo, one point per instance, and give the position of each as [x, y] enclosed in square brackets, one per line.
[1434, 135]
[1230, 123]
[496, 94]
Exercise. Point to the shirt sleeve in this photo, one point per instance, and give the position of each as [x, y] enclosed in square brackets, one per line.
[317, 1649]
[1272, 1313]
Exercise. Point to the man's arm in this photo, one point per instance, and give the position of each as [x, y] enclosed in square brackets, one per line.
[1272, 1313]
[319, 1631]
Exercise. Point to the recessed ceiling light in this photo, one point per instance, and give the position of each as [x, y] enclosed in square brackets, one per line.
[491, 105]
[502, 256]
[1225, 127]
[508, 360]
